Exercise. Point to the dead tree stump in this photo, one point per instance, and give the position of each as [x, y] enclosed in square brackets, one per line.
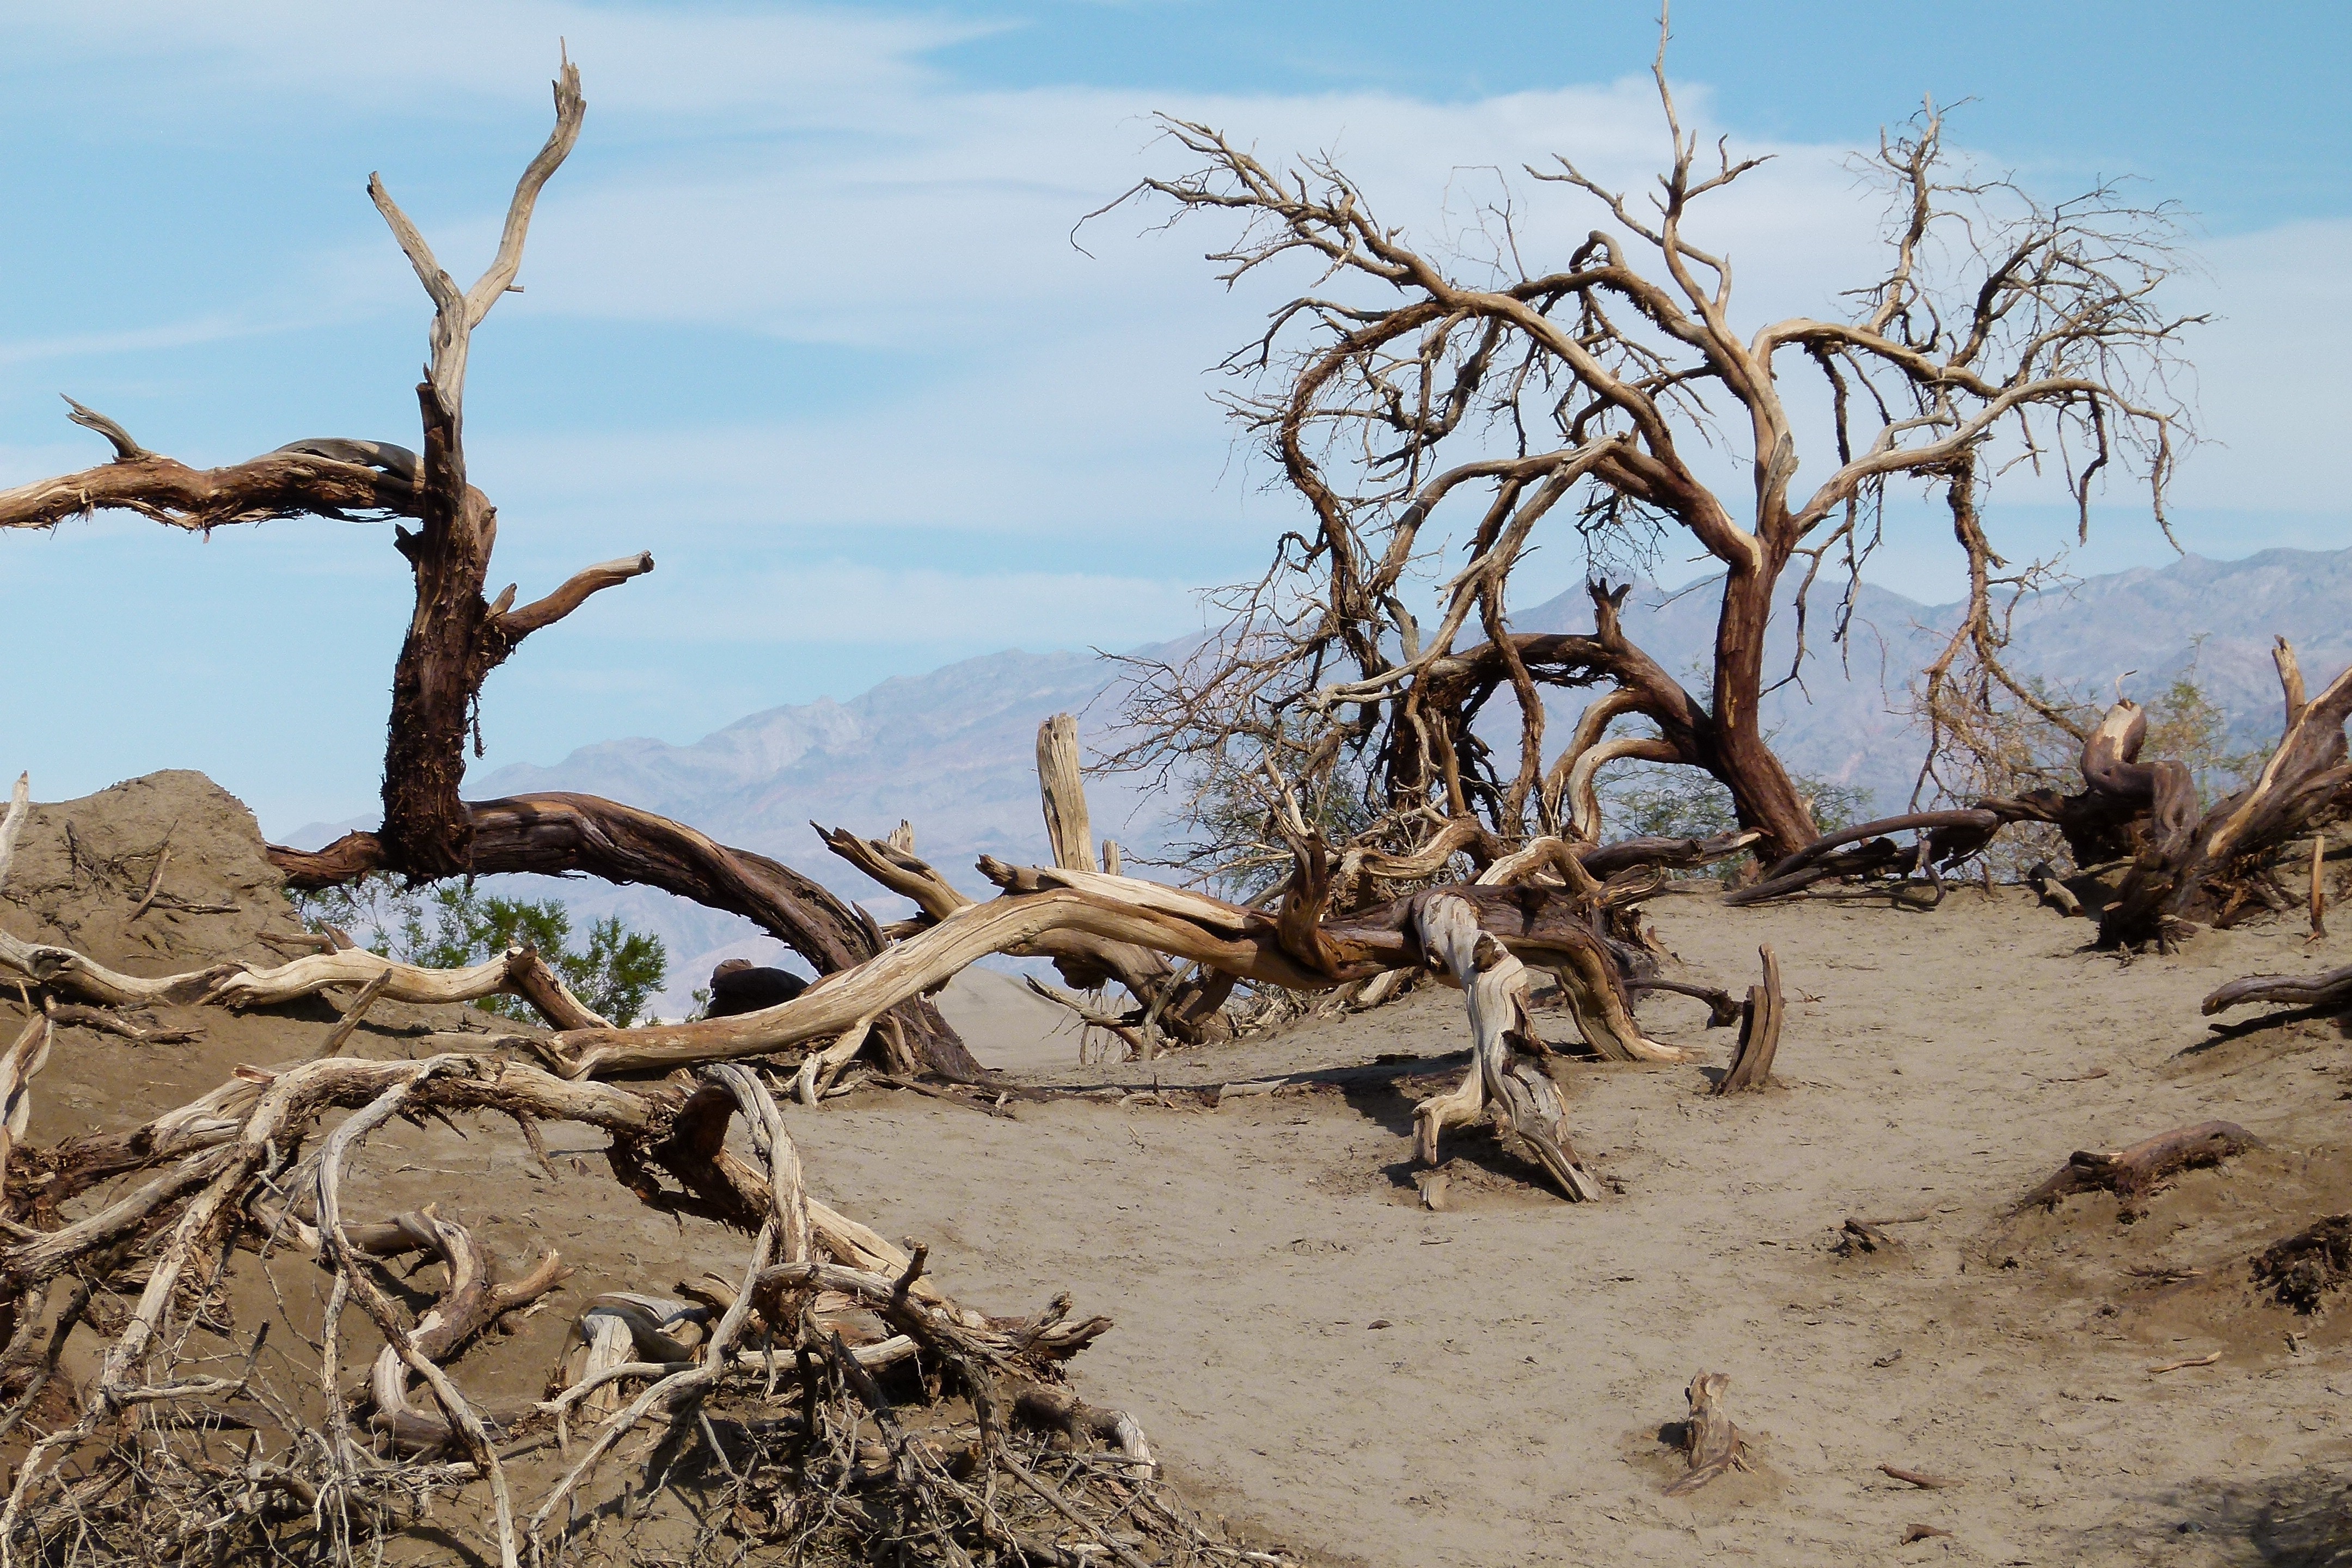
[1760, 1033]
[1710, 1439]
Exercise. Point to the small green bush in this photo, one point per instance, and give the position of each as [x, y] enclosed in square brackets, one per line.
[454, 925]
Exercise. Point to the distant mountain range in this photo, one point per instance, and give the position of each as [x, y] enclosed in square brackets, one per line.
[954, 752]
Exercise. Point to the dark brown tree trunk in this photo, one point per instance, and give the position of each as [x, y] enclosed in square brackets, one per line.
[449, 651]
[1761, 790]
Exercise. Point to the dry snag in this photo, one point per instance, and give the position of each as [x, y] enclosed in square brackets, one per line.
[459, 636]
[1406, 384]
[1760, 1033]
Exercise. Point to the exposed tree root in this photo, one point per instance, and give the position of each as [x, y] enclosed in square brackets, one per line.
[832, 1399]
[2133, 1174]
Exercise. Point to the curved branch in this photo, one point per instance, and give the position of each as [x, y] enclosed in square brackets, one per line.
[517, 624]
[273, 486]
[558, 833]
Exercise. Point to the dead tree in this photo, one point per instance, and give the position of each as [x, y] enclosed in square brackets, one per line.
[458, 635]
[825, 1333]
[2180, 859]
[1410, 382]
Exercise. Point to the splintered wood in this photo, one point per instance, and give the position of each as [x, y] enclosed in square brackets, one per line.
[1713, 1444]
[1760, 1033]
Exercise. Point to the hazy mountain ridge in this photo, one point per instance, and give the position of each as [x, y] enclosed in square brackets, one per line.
[953, 751]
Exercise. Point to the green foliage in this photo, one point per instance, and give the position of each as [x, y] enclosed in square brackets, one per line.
[1666, 800]
[1231, 816]
[454, 925]
[2184, 725]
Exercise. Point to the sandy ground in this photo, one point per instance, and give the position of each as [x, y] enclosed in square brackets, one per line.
[1372, 1382]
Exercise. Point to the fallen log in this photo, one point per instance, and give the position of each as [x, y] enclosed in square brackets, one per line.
[2133, 1174]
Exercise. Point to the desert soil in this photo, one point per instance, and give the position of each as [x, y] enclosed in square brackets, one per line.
[1316, 1355]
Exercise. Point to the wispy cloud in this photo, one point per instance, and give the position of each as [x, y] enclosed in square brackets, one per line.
[1020, 449]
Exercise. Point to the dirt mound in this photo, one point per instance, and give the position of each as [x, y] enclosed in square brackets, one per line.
[81, 873]
[83, 868]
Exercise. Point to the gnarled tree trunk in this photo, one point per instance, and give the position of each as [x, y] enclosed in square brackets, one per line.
[457, 636]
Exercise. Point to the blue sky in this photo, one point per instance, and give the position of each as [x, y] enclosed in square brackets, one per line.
[802, 317]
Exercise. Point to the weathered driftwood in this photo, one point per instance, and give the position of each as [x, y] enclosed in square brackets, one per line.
[2044, 879]
[1714, 1445]
[558, 833]
[1914, 1478]
[1510, 1087]
[1042, 905]
[1863, 1238]
[1186, 1006]
[471, 1299]
[2133, 1174]
[1046, 1406]
[1723, 1009]
[1760, 1033]
[1069, 828]
[2332, 989]
[20, 800]
[73, 1014]
[519, 972]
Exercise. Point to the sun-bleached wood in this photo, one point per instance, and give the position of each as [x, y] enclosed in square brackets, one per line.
[1518, 1094]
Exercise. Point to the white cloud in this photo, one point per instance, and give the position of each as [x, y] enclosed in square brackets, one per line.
[780, 66]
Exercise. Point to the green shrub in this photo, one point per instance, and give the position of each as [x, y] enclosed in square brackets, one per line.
[456, 925]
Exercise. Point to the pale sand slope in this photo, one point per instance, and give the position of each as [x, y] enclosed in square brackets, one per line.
[1509, 1413]
[1009, 1026]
